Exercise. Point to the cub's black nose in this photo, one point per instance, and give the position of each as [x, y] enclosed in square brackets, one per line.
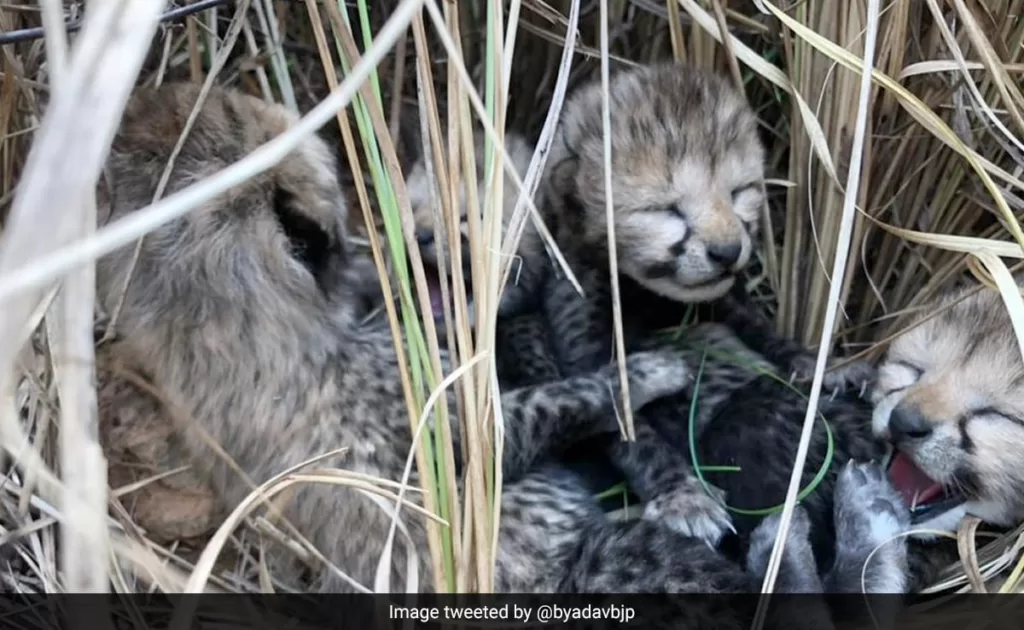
[906, 422]
[425, 237]
[725, 254]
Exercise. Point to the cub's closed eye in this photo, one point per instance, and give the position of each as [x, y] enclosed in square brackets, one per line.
[918, 372]
[669, 208]
[992, 412]
[898, 376]
[736, 192]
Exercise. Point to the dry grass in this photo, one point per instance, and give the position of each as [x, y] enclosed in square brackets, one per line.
[939, 195]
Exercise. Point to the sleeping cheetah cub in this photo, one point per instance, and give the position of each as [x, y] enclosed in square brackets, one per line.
[950, 398]
[244, 315]
[687, 173]
[688, 179]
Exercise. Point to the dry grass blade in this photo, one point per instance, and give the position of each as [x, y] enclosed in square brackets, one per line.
[494, 137]
[922, 113]
[84, 544]
[400, 197]
[456, 333]
[383, 579]
[85, 548]
[348, 140]
[937, 66]
[56, 40]
[969, 552]
[95, 84]
[1009, 291]
[979, 100]
[838, 269]
[613, 259]
[517, 222]
[771, 73]
[1008, 89]
[272, 487]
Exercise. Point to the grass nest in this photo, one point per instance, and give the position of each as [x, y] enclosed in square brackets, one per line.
[938, 198]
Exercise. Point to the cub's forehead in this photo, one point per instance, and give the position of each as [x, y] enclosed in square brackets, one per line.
[664, 106]
[668, 131]
[968, 330]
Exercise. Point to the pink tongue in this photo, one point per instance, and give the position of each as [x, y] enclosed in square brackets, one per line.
[436, 301]
[915, 486]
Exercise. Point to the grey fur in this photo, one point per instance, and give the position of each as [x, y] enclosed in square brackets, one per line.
[869, 513]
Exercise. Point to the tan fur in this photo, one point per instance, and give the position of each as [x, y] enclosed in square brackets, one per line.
[960, 374]
[687, 176]
[138, 441]
[214, 375]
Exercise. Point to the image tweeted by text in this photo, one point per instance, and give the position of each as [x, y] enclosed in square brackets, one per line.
[513, 612]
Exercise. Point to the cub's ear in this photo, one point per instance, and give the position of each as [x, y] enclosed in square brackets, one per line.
[309, 243]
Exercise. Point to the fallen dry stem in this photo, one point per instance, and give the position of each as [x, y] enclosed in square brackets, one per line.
[84, 544]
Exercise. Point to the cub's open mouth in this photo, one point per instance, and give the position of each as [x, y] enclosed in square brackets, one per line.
[926, 497]
[433, 278]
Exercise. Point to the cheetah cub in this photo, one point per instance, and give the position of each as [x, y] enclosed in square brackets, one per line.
[529, 267]
[950, 399]
[687, 192]
[243, 313]
[524, 354]
[687, 175]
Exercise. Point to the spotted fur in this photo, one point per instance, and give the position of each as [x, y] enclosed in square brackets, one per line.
[687, 185]
[525, 356]
[665, 551]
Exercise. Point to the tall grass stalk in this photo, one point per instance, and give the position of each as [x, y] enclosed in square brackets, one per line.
[613, 260]
[394, 205]
[843, 239]
[45, 217]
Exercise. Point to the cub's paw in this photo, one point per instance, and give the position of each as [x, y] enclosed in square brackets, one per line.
[652, 375]
[867, 507]
[762, 539]
[856, 376]
[799, 526]
[693, 512]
